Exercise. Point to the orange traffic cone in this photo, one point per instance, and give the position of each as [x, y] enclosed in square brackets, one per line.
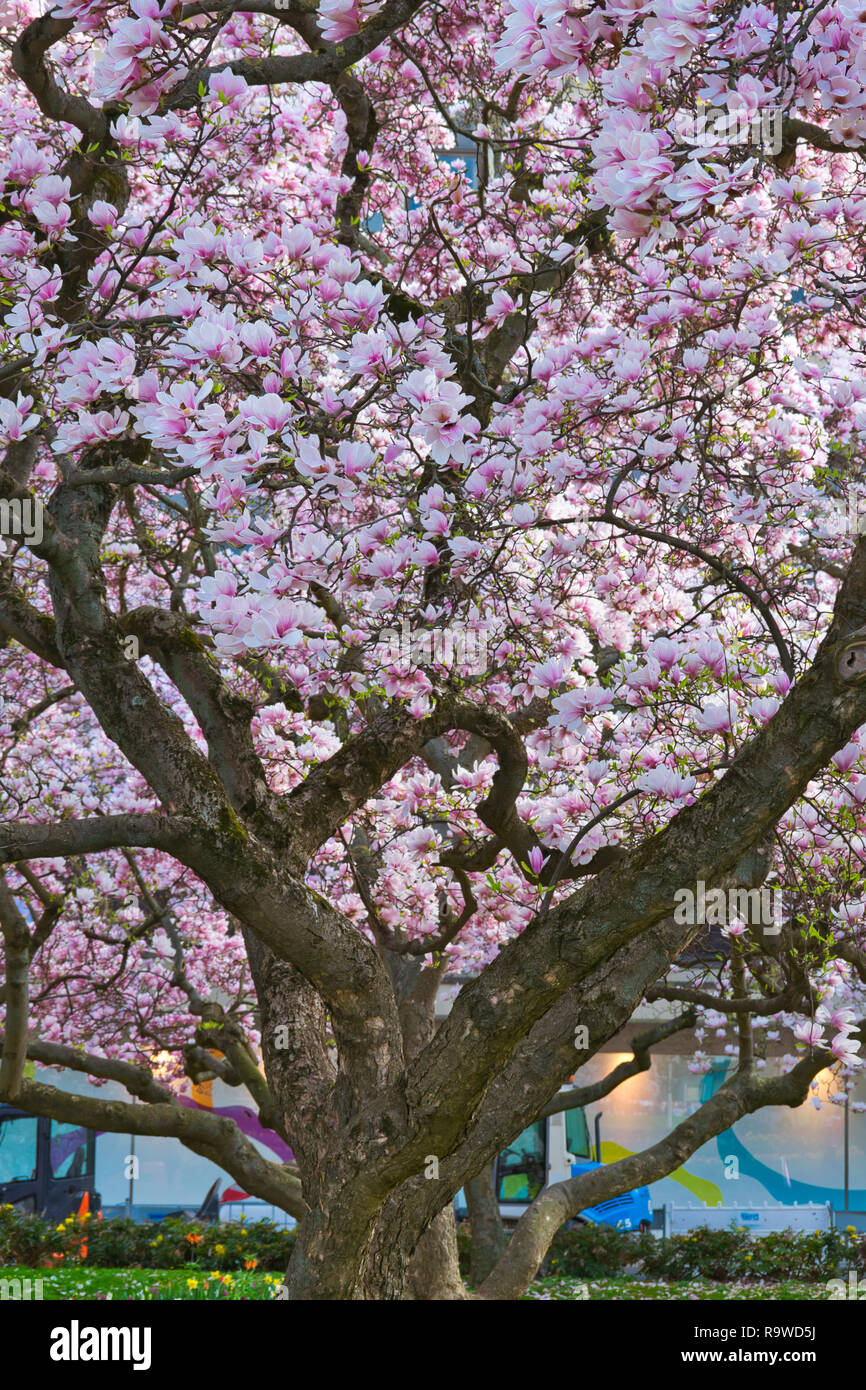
[83, 1213]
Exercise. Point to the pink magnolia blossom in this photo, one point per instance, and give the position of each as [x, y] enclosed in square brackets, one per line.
[716, 717]
[581, 413]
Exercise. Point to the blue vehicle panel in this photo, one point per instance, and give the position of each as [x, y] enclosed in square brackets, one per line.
[627, 1211]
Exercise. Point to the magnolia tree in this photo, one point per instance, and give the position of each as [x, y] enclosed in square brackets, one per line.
[431, 514]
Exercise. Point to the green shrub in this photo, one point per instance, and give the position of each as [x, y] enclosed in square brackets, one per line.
[233, 1244]
[598, 1252]
[733, 1253]
[585, 1251]
[24, 1239]
[122, 1244]
[590, 1251]
[117, 1244]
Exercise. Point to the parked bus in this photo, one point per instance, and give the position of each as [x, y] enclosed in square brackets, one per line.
[46, 1166]
[550, 1151]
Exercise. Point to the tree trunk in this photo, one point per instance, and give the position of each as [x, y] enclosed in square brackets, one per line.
[388, 1253]
[488, 1233]
[326, 1265]
[434, 1270]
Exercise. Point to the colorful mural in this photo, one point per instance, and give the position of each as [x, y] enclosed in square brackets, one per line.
[775, 1156]
[778, 1184]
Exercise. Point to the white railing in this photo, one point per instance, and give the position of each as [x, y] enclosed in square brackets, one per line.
[805, 1217]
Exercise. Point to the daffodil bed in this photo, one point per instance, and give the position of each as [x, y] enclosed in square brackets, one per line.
[82, 1283]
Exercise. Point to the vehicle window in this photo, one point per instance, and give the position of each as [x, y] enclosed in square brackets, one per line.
[18, 1149]
[576, 1133]
[68, 1150]
[521, 1167]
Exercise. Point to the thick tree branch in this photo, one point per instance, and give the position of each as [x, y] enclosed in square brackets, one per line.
[224, 717]
[92, 835]
[16, 950]
[641, 1060]
[28, 62]
[212, 1136]
[743, 1094]
[325, 65]
[701, 842]
[21, 622]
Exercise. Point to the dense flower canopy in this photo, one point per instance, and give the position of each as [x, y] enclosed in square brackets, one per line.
[480, 337]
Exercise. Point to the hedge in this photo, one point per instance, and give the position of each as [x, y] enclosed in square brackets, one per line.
[596, 1252]
[585, 1251]
[121, 1244]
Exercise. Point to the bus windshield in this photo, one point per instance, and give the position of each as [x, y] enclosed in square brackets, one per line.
[577, 1133]
[521, 1168]
[18, 1148]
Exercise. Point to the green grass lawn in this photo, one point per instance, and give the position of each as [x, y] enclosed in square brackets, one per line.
[640, 1289]
[78, 1282]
